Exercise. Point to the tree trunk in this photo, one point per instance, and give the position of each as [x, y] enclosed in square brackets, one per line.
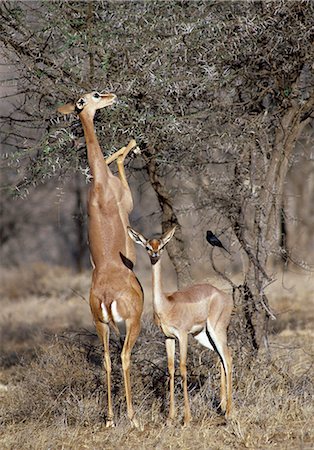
[176, 248]
[283, 235]
[258, 233]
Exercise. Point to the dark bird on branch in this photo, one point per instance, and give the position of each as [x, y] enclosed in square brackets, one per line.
[214, 241]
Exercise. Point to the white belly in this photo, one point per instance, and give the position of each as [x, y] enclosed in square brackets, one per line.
[203, 339]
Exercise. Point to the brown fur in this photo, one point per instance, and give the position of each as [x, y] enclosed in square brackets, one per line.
[201, 310]
[112, 251]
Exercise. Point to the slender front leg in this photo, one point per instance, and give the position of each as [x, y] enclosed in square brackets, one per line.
[120, 162]
[170, 348]
[103, 332]
[183, 355]
[114, 156]
[120, 155]
[132, 332]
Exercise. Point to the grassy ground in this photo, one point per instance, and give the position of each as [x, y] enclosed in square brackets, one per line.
[52, 394]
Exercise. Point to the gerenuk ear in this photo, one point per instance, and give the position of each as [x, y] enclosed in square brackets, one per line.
[66, 109]
[137, 237]
[167, 236]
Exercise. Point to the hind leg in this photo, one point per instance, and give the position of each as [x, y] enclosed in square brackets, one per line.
[132, 332]
[228, 375]
[226, 384]
[102, 328]
[218, 340]
[103, 332]
[223, 389]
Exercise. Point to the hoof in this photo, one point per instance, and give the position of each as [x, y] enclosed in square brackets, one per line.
[186, 422]
[169, 422]
[110, 423]
[223, 406]
[132, 143]
[225, 409]
[137, 424]
[227, 414]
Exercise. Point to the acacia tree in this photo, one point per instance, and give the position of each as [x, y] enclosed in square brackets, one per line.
[215, 92]
[272, 103]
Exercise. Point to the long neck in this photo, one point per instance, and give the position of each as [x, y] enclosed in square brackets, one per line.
[158, 297]
[94, 153]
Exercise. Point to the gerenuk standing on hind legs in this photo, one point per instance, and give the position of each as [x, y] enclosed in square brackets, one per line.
[116, 297]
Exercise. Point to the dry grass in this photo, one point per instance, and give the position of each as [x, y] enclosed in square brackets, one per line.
[51, 380]
[41, 280]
